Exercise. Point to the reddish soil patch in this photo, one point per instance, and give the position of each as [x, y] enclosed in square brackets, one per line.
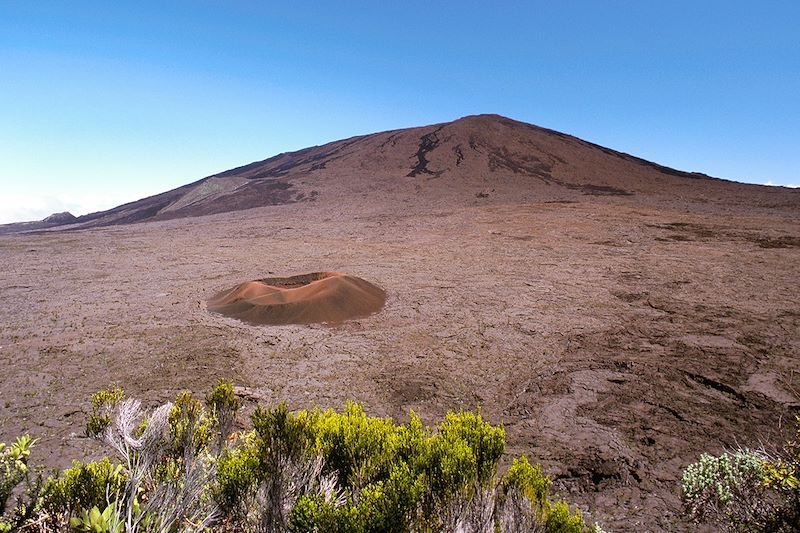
[321, 297]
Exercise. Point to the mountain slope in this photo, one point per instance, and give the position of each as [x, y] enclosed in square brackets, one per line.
[485, 157]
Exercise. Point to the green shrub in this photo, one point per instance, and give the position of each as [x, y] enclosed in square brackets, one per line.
[526, 490]
[392, 505]
[559, 520]
[190, 427]
[485, 442]
[237, 474]
[17, 476]
[281, 435]
[103, 402]
[357, 448]
[316, 514]
[782, 476]
[450, 467]
[746, 491]
[380, 509]
[222, 406]
[96, 521]
[83, 487]
[13, 466]
[528, 482]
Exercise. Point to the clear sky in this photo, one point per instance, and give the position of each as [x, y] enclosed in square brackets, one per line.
[107, 102]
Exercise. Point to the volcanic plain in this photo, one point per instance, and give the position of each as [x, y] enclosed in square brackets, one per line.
[617, 317]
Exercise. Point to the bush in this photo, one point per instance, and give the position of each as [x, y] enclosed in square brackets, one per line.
[746, 491]
[525, 502]
[82, 487]
[16, 476]
[103, 402]
[223, 406]
[96, 521]
[486, 444]
[559, 520]
[783, 477]
[180, 468]
[13, 466]
[190, 426]
[237, 475]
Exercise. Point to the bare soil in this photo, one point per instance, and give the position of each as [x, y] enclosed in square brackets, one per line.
[613, 341]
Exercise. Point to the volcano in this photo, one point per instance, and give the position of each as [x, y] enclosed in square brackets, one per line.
[484, 158]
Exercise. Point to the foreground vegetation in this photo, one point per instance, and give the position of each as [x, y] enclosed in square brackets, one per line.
[746, 491]
[181, 467]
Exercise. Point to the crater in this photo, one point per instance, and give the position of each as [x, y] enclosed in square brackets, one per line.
[319, 297]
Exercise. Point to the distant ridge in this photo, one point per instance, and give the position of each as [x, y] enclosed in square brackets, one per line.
[52, 221]
[486, 158]
[60, 218]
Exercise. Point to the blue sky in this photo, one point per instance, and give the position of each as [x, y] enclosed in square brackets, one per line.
[107, 102]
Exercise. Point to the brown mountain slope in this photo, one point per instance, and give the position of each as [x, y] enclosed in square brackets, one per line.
[486, 157]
